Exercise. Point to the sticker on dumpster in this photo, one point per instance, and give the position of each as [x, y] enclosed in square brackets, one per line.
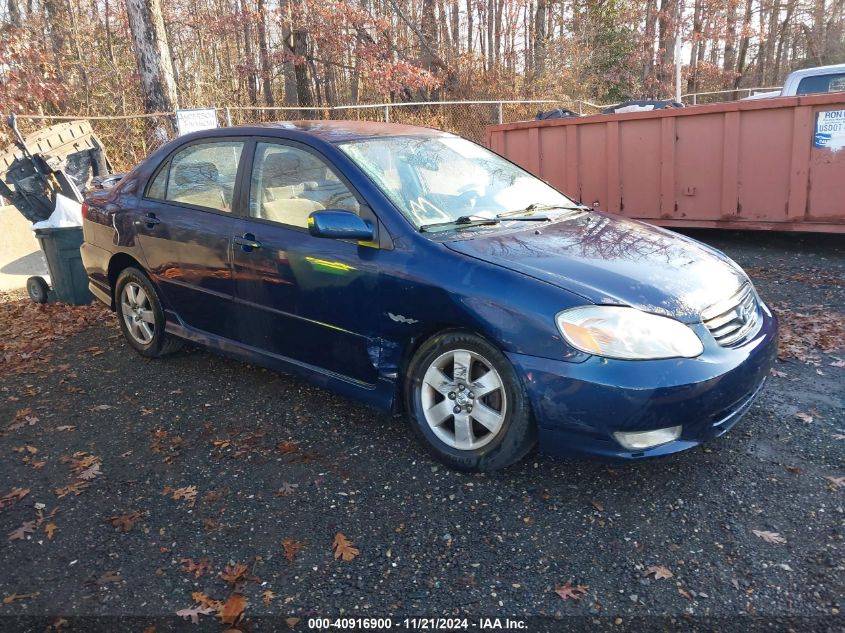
[830, 130]
[195, 119]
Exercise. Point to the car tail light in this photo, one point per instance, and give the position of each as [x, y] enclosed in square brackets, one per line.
[84, 211]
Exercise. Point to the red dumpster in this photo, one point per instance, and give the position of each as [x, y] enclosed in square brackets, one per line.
[767, 164]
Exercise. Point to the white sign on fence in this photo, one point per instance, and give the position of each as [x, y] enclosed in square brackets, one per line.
[195, 119]
[830, 130]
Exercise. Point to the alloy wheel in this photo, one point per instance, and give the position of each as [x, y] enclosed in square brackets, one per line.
[463, 399]
[137, 312]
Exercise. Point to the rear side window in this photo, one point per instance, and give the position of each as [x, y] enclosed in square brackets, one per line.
[822, 83]
[158, 187]
[202, 174]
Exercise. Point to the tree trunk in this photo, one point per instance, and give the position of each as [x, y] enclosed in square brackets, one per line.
[743, 42]
[15, 18]
[264, 55]
[291, 85]
[300, 68]
[648, 43]
[729, 63]
[469, 26]
[539, 37]
[695, 48]
[152, 55]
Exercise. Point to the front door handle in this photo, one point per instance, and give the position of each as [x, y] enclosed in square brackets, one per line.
[150, 220]
[247, 242]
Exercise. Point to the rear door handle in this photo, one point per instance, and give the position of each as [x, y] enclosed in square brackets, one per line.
[150, 220]
[247, 242]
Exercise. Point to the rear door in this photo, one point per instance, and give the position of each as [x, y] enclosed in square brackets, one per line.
[185, 223]
[311, 300]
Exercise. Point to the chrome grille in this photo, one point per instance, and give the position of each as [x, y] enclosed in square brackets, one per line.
[733, 319]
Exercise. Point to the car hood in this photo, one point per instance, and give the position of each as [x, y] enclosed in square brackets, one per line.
[611, 260]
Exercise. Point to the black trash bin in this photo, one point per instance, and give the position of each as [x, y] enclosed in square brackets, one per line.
[67, 275]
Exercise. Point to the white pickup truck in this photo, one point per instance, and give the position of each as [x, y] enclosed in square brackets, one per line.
[809, 81]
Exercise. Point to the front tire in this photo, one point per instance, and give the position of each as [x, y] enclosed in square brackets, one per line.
[467, 404]
[140, 315]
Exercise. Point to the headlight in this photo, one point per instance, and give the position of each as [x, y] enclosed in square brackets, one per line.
[627, 333]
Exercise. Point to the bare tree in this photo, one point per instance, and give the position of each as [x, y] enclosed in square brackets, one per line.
[152, 55]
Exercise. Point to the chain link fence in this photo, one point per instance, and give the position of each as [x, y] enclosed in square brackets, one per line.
[130, 138]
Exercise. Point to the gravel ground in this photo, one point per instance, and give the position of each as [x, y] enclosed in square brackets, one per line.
[273, 458]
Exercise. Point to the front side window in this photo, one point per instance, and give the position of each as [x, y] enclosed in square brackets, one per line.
[442, 178]
[289, 183]
[202, 174]
[822, 83]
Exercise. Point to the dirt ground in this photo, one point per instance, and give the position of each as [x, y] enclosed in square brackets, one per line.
[135, 489]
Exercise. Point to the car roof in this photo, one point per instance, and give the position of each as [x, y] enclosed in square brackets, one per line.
[818, 70]
[335, 131]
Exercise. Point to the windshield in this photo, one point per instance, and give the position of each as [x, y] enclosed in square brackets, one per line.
[441, 179]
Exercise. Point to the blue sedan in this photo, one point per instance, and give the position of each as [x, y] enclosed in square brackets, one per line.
[425, 275]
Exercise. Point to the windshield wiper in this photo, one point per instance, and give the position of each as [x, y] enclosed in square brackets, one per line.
[464, 220]
[468, 220]
[539, 207]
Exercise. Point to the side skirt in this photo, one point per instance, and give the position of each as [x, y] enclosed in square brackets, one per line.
[380, 395]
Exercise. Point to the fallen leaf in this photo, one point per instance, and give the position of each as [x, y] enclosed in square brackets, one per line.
[770, 537]
[836, 482]
[683, 592]
[286, 447]
[13, 496]
[76, 488]
[291, 622]
[203, 600]
[188, 493]
[234, 573]
[28, 527]
[126, 521]
[569, 591]
[777, 374]
[598, 505]
[287, 489]
[838, 363]
[658, 571]
[232, 609]
[343, 547]
[14, 597]
[195, 568]
[194, 613]
[221, 443]
[792, 469]
[109, 576]
[215, 495]
[292, 548]
[90, 473]
[267, 596]
[65, 427]
[804, 417]
[50, 530]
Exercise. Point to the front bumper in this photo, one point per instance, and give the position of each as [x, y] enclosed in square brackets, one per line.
[578, 406]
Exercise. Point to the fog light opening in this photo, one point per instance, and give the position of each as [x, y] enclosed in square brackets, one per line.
[647, 439]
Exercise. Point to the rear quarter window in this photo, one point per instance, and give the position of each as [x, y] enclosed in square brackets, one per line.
[821, 83]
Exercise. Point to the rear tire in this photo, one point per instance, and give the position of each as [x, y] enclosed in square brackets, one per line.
[140, 315]
[467, 404]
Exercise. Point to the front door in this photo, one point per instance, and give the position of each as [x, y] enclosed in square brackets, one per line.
[185, 226]
[311, 300]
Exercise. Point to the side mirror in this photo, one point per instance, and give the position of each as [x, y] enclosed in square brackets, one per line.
[339, 225]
